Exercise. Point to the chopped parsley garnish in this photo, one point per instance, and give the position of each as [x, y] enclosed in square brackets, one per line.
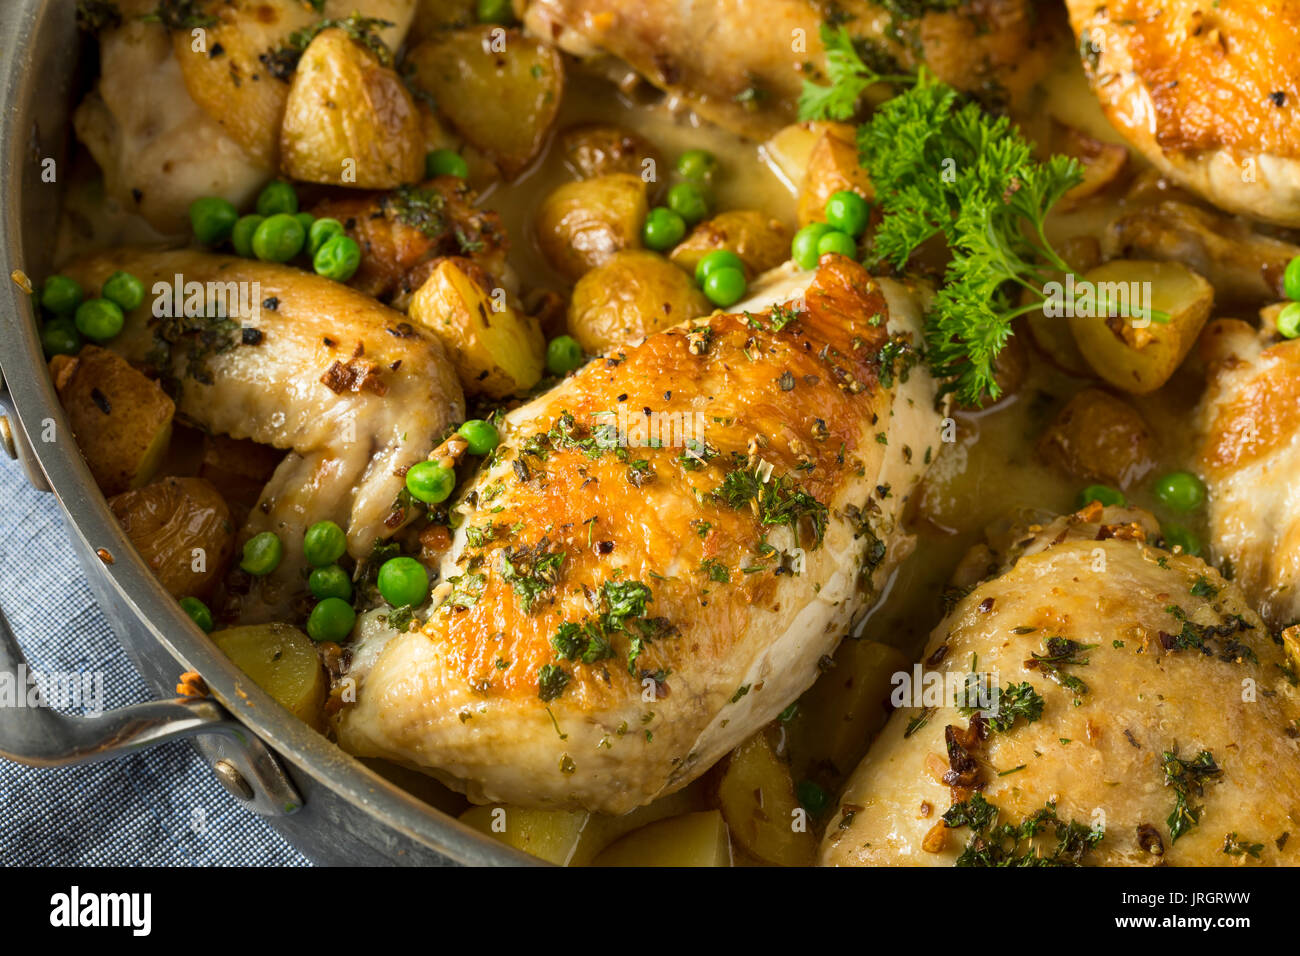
[1234, 847]
[1008, 845]
[1204, 589]
[1013, 703]
[1062, 652]
[1188, 778]
[531, 571]
[623, 611]
[551, 681]
[779, 501]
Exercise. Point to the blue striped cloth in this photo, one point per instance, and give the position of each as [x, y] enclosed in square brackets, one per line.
[160, 807]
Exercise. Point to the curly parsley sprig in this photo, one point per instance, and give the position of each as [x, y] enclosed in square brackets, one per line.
[850, 77]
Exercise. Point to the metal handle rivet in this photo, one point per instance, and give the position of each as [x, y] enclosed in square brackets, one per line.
[232, 780]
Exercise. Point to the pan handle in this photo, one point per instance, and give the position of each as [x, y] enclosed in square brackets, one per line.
[33, 734]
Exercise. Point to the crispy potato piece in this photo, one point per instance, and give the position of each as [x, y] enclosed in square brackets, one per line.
[634, 294]
[832, 166]
[599, 149]
[838, 716]
[694, 839]
[786, 152]
[121, 418]
[1101, 163]
[240, 468]
[182, 529]
[756, 797]
[1098, 437]
[581, 225]
[496, 350]
[500, 89]
[281, 660]
[1141, 359]
[349, 120]
[761, 242]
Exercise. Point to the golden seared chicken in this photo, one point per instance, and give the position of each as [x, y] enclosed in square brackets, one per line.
[1249, 455]
[742, 63]
[354, 391]
[1206, 91]
[660, 552]
[1144, 716]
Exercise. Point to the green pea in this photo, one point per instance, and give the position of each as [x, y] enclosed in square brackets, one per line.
[724, 287]
[306, 220]
[338, 259]
[241, 237]
[212, 218]
[321, 232]
[262, 553]
[277, 197]
[689, 201]
[812, 797]
[495, 11]
[445, 162]
[61, 295]
[563, 355]
[1176, 536]
[331, 620]
[663, 229]
[1291, 279]
[198, 612]
[848, 212]
[1105, 494]
[403, 581]
[481, 436]
[279, 238]
[717, 259]
[330, 582]
[838, 242]
[430, 482]
[60, 337]
[1180, 490]
[99, 319]
[803, 248]
[1288, 321]
[324, 543]
[124, 289]
[697, 165]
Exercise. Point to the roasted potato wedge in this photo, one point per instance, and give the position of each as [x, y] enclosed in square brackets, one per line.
[581, 225]
[497, 351]
[499, 89]
[832, 166]
[599, 149]
[281, 660]
[693, 839]
[761, 241]
[349, 120]
[756, 797]
[1101, 163]
[634, 294]
[121, 418]
[1140, 356]
[182, 529]
[786, 153]
[1098, 437]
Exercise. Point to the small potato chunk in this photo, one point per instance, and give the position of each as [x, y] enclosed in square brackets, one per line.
[496, 351]
[281, 660]
[1098, 437]
[761, 242]
[787, 152]
[756, 797]
[695, 839]
[634, 294]
[500, 89]
[1100, 163]
[832, 166]
[349, 120]
[550, 835]
[182, 529]
[1141, 359]
[121, 418]
[581, 225]
[599, 149]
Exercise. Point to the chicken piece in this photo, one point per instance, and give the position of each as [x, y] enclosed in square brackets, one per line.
[1144, 717]
[403, 234]
[1243, 265]
[742, 63]
[158, 150]
[1249, 424]
[1205, 91]
[661, 551]
[347, 385]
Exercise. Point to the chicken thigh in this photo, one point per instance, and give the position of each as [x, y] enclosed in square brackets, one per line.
[1144, 716]
[661, 551]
